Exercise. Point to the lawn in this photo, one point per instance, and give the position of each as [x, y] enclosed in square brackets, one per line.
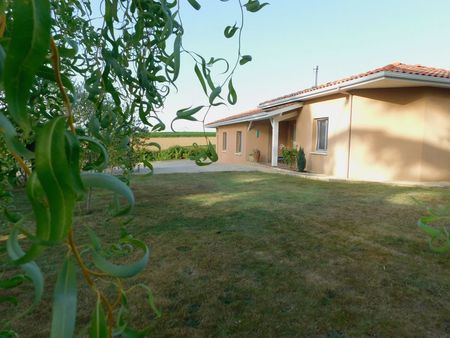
[263, 255]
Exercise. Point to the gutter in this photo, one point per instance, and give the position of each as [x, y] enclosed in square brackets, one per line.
[424, 80]
[257, 117]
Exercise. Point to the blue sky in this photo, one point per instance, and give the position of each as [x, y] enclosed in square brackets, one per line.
[288, 38]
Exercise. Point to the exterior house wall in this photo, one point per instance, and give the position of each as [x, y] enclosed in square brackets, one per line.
[259, 138]
[387, 134]
[374, 134]
[336, 109]
[436, 137]
[229, 155]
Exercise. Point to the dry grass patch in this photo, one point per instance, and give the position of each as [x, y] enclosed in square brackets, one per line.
[259, 255]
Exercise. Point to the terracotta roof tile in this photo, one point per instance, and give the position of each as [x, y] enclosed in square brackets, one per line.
[396, 67]
[253, 112]
[393, 67]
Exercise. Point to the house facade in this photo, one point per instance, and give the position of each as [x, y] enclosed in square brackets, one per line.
[388, 124]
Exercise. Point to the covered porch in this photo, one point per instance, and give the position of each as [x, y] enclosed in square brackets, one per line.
[280, 126]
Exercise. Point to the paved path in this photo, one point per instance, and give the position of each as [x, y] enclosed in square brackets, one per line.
[188, 166]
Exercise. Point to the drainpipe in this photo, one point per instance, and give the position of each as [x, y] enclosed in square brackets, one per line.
[350, 97]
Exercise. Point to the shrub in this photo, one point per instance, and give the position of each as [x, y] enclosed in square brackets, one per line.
[301, 160]
[289, 156]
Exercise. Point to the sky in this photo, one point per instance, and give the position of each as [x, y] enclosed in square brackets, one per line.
[288, 38]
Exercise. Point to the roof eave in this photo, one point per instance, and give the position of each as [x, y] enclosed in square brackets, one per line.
[256, 117]
[422, 80]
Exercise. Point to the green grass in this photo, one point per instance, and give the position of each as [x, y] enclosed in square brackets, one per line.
[261, 255]
[178, 134]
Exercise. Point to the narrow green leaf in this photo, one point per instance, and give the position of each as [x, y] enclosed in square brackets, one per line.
[200, 78]
[53, 170]
[49, 74]
[194, 4]
[151, 300]
[154, 144]
[232, 96]
[7, 299]
[230, 31]
[73, 156]
[214, 94]
[177, 57]
[99, 328]
[112, 183]
[245, 59]
[96, 146]
[11, 139]
[187, 113]
[254, 5]
[31, 269]
[65, 301]
[12, 282]
[30, 41]
[123, 271]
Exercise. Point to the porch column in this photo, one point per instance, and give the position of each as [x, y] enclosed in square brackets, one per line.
[275, 125]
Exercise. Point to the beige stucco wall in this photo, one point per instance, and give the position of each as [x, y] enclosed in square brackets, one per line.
[336, 109]
[387, 134]
[436, 137]
[261, 141]
[397, 134]
[229, 155]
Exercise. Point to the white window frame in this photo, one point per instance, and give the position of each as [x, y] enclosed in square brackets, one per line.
[239, 151]
[318, 121]
[224, 141]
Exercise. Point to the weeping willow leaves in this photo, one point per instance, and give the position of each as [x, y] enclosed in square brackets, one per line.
[31, 269]
[127, 59]
[30, 40]
[11, 138]
[56, 177]
[245, 59]
[230, 31]
[122, 271]
[232, 96]
[112, 183]
[65, 301]
[439, 235]
[205, 157]
[99, 328]
[254, 5]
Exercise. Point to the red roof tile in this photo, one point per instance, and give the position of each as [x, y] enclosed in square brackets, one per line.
[397, 67]
[393, 67]
[253, 112]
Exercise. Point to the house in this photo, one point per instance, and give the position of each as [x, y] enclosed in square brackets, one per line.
[388, 124]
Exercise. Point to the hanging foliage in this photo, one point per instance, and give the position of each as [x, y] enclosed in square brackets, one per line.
[77, 77]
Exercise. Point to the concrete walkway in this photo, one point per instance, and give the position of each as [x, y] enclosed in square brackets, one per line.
[188, 166]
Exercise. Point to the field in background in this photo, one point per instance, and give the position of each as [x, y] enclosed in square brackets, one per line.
[184, 139]
[265, 255]
[178, 134]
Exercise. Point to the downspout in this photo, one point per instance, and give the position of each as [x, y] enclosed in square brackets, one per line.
[349, 135]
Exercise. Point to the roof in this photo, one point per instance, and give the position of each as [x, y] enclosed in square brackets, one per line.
[415, 75]
[256, 114]
[396, 67]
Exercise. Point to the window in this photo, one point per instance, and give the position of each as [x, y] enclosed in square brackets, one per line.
[224, 141]
[322, 134]
[238, 141]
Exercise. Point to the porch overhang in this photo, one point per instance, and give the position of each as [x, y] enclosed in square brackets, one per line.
[273, 112]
